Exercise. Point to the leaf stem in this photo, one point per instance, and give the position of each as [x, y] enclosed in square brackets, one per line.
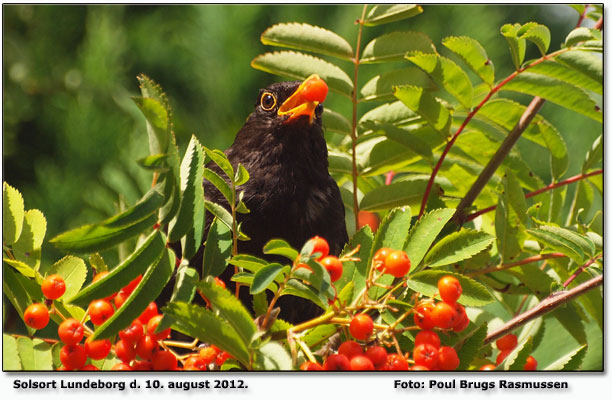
[537, 192]
[354, 122]
[547, 305]
[524, 261]
[580, 269]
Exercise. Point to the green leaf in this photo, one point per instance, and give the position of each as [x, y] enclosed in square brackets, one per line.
[12, 214]
[281, 248]
[424, 232]
[515, 361]
[393, 46]
[273, 357]
[301, 66]
[571, 320]
[170, 182]
[446, 74]
[10, 356]
[584, 243]
[198, 322]
[319, 334]
[471, 346]
[556, 241]
[537, 34]
[74, 272]
[426, 105]
[184, 290]
[296, 288]
[405, 137]
[145, 255]
[220, 212]
[507, 224]
[585, 63]
[154, 162]
[354, 273]
[571, 361]
[154, 105]
[264, 277]
[474, 55]
[379, 155]
[248, 262]
[335, 122]
[28, 248]
[309, 38]
[581, 34]
[230, 309]
[575, 75]
[382, 87]
[395, 113]
[594, 155]
[517, 44]
[557, 92]
[17, 294]
[35, 354]
[242, 176]
[458, 246]
[114, 230]
[153, 281]
[191, 212]
[406, 193]
[246, 279]
[474, 293]
[340, 162]
[23, 268]
[384, 14]
[218, 249]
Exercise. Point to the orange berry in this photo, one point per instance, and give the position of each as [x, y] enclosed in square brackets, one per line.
[311, 366]
[361, 363]
[100, 311]
[447, 358]
[427, 355]
[368, 218]
[502, 356]
[129, 288]
[125, 350]
[320, 246]
[121, 367]
[361, 326]
[132, 333]
[209, 354]
[397, 264]
[147, 347]
[53, 287]
[73, 356]
[70, 331]
[334, 266]
[378, 356]
[195, 363]
[449, 288]
[148, 313]
[152, 327]
[487, 367]
[531, 364]
[36, 316]
[444, 315]
[350, 349]
[380, 256]
[429, 337]
[97, 349]
[507, 342]
[396, 362]
[422, 315]
[337, 362]
[164, 361]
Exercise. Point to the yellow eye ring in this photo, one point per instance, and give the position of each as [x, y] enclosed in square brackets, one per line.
[267, 101]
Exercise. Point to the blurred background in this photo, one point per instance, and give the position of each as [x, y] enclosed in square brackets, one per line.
[71, 133]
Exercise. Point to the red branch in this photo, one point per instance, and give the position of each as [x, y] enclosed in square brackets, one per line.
[539, 191]
[581, 17]
[579, 270]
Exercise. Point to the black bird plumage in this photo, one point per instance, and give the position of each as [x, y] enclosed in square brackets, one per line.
[290, 193]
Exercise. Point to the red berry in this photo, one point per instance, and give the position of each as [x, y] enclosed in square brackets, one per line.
[120, 298]
[334, 266]
[100, 311]
[36, 316]
[53, 287]
[195, 363]
[209, 354]
[311, 366]
[380, 256]
[487, 367]
[397, 263]
[99, 276]
[97, 349]
[164, 361]
[449, 289]
[73, 356]
[429, 337]
[142, 365]
[417, 367]
[148, 313]
[502, 356]
[396, 362]
[422, 315]
[125, 350]
[152, 327]
[337, 362]
[320, 246]
[444, 315]
[121, 367]
[70, 331]
[129, 288]
[368, 218]
[531, 364]
[378, 356]
[361, 363]
[132, 333]
[219, 282]
[427, 355]
[447, 358]
[507, 342]
[315, 89]
[90, 367]
[462, 320]
[361, 326]
[147, 347]
[350, 349]
[222, 358]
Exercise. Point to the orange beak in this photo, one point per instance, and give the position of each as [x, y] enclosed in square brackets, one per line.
[305, 99]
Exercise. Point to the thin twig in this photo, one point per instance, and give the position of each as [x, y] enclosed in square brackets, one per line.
[547, 305]
[580, 270]
[582, 15]
[524, 261]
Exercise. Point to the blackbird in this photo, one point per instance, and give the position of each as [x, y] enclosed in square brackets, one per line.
[290, 193]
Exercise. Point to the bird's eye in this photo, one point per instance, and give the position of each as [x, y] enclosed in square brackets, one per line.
[268, 101]
[319, 109]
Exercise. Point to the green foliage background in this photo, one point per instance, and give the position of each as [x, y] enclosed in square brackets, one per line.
[71, 134]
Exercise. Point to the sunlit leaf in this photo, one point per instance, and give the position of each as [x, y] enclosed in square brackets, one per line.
[382, 87]
[406, 193]
[474, 55]
[28, 248]
[424, 233]
[10, 355]
[393, 46]
[12, 214]
[426, 105]
[217, 250]
[384, 14]
[517, 44]
[474, 293]
[335, 122]
[458, 246]
[264, 277]
[537, 34]
[35, 354]
[74, 271]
